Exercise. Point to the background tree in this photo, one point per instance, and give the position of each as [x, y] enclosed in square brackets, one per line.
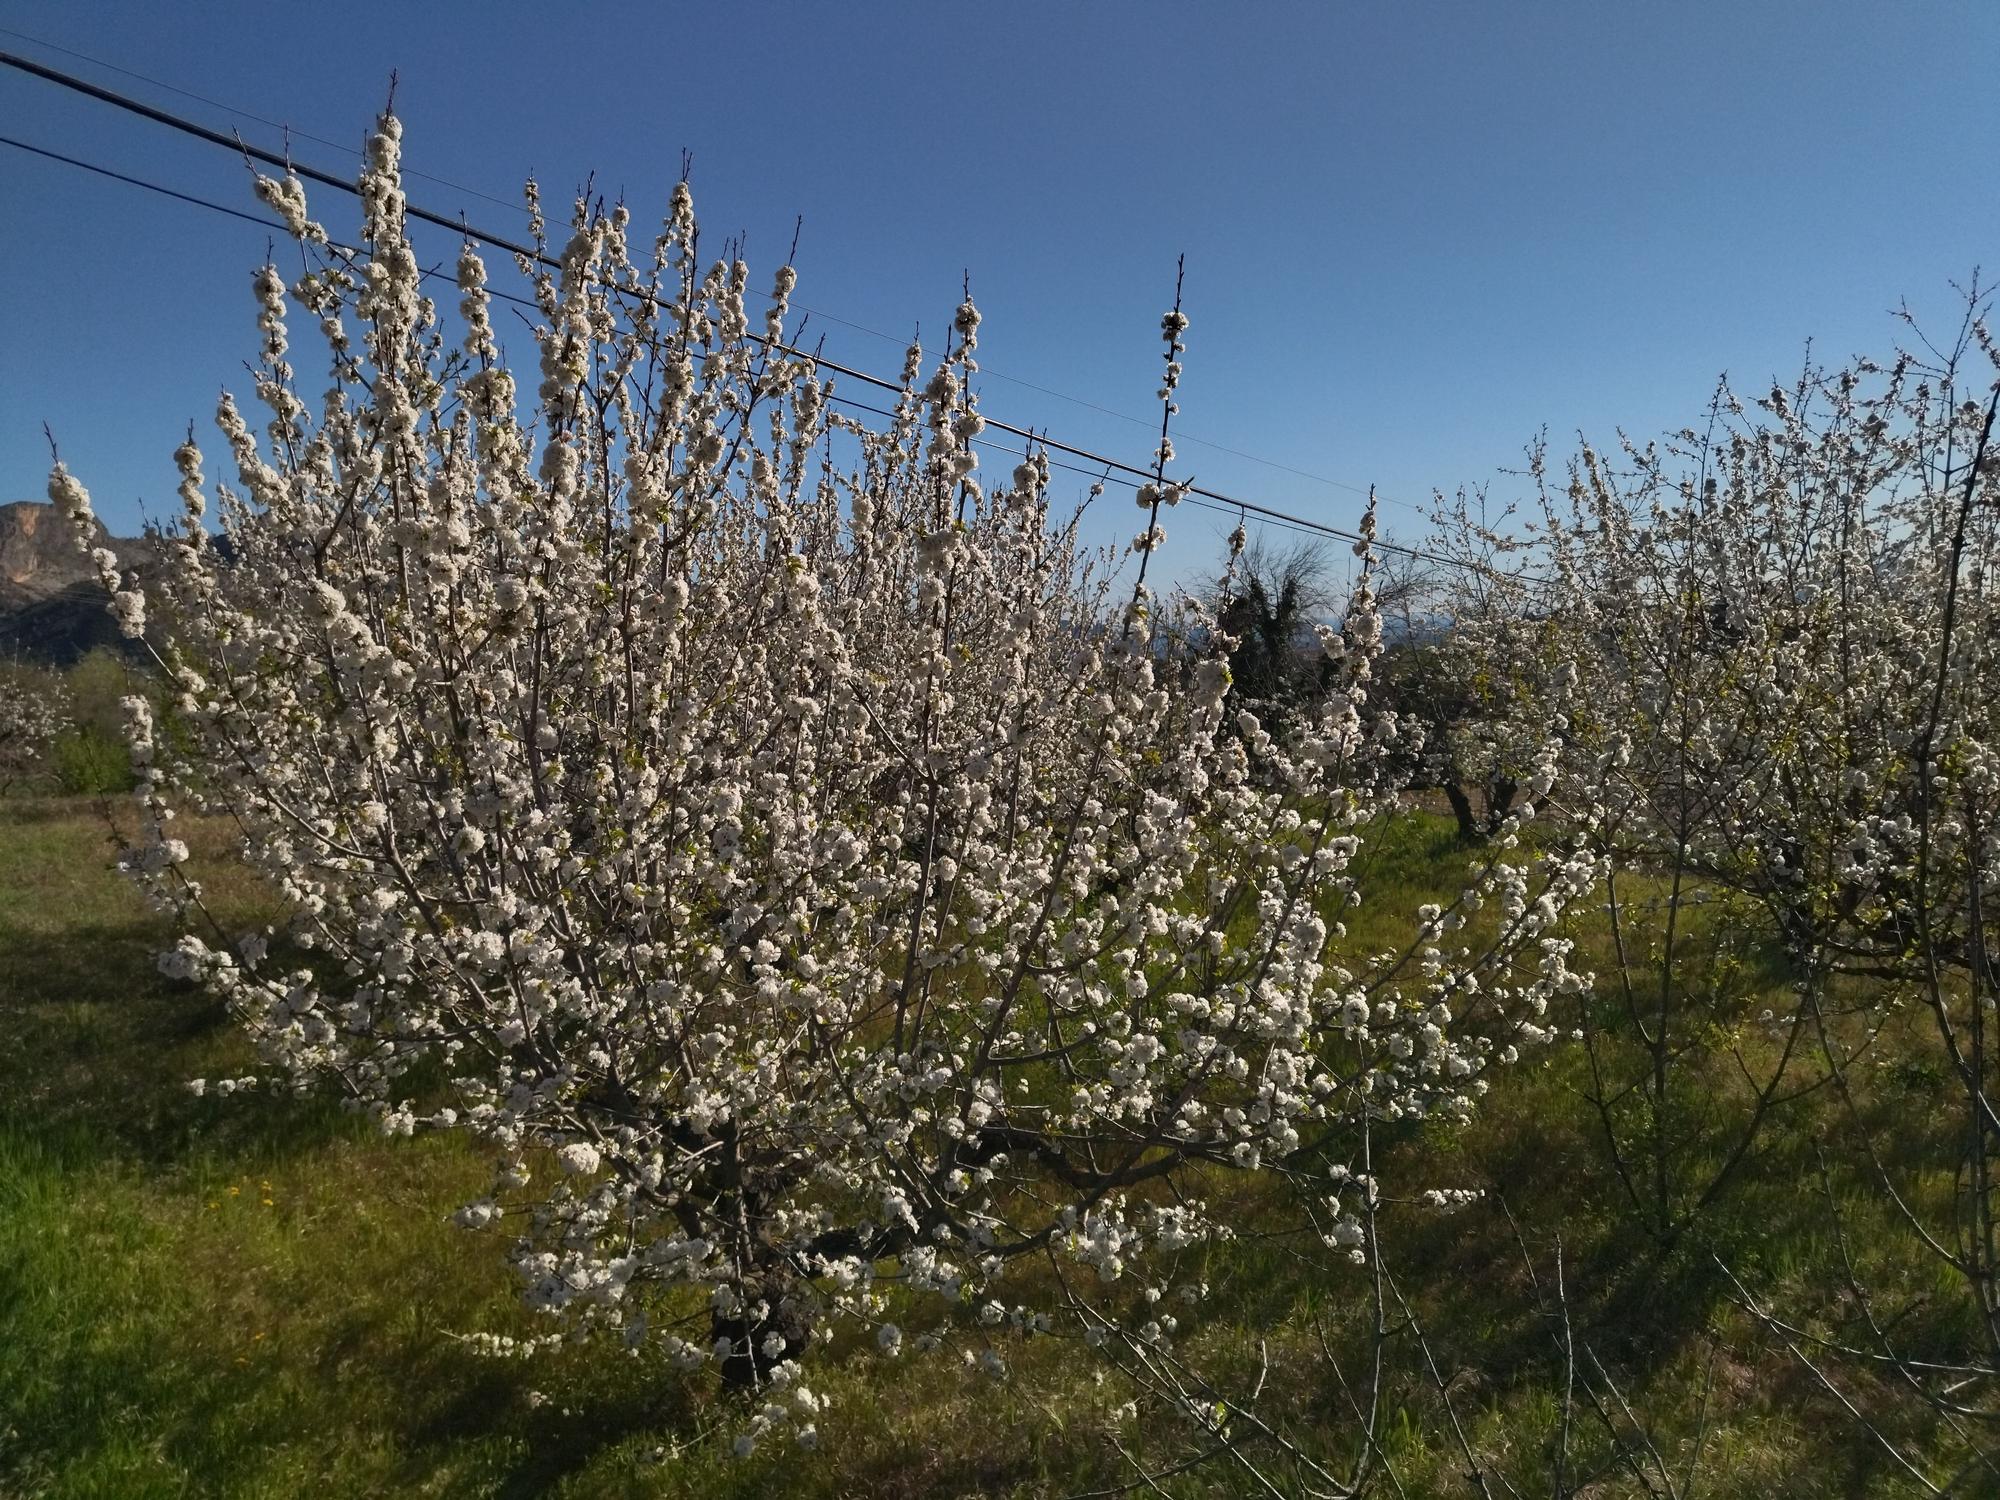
[34, 712]
[1782, 618]
[1275, 601]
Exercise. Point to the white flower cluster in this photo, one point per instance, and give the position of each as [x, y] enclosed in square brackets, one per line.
[72, 503]
[785, 831]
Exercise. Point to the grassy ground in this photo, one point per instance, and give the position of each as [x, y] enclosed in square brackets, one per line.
[257, 1297]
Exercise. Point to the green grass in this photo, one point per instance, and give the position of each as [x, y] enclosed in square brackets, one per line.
[251, 1296]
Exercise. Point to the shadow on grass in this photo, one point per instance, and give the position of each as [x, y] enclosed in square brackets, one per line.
[246, 1350]
[93, 1034]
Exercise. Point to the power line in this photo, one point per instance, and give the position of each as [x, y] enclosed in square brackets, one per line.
[240, 113]
[821, 313]
[1032, 440]
[849, 401]
[1284, 523]
[140, 182]
[536, 256]
[221, 208]
[272, 224]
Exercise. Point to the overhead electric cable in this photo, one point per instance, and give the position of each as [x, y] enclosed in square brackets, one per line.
[817, 312]
[140, 182]
[531, 254]
[212, 206]
[245, 114]
[1289, 523]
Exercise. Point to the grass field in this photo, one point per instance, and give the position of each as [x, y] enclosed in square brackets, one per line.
[249, 1296]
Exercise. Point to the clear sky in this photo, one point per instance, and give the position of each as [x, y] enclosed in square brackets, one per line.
[1415, 233]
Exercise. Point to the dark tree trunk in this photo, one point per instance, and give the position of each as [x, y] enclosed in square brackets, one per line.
[1461, 809]
[782, 1313]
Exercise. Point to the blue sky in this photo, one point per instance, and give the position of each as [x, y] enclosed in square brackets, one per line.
[1415, 234]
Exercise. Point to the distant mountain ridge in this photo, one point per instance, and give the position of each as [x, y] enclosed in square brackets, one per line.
[52, 607]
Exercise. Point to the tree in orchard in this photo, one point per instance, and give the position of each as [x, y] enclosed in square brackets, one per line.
[820, 877]
[34, 712]
[1785, 622]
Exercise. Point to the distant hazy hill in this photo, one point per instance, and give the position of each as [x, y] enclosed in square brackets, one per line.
[51, 604]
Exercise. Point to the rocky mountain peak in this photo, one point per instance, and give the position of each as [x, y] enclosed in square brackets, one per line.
[51, 604]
